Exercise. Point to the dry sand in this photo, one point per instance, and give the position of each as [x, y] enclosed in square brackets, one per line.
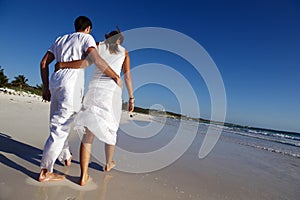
[230, 171]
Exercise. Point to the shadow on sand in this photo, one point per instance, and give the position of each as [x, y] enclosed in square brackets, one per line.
[23, 151]
[30, 154]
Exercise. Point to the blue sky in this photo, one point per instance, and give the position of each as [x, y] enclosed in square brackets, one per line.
[255, 45]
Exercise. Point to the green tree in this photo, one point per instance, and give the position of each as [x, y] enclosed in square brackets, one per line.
[3, 78]
[35, 89]
[20, 81]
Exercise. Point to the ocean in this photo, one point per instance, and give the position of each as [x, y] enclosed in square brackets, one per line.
[281, 142]
[285, 143]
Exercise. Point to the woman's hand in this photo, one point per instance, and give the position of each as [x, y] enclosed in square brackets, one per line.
[131, 104]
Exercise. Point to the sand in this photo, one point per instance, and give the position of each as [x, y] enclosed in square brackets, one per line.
[230, 171]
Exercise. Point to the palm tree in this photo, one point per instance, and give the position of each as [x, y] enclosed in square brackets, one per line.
[3, 78]
[20, 81]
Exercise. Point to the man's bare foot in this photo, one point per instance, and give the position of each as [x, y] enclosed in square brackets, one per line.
[68, 162]
[84, 180]
[46, 176]
[109, 166]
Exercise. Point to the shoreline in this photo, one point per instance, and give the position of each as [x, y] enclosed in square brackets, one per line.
[166, 114]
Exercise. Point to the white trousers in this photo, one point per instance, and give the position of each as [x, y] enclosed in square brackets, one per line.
[65, 102]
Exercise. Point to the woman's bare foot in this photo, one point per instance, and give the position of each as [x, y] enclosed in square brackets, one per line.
[84, 180]
[46, 176]
[109, 166]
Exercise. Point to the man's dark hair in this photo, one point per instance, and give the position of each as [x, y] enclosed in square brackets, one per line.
[81, 23]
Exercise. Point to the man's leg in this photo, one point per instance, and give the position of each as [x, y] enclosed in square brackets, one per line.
[60, 120]
[65, 156]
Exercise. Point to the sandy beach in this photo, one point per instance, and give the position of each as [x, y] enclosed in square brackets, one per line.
[231, 171]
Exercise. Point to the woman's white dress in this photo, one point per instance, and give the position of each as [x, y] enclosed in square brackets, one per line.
[102, 104]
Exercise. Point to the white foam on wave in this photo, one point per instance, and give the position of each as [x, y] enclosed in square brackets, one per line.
[287, 142]
[271, 149]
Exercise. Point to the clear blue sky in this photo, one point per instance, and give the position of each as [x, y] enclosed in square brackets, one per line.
[255, 45]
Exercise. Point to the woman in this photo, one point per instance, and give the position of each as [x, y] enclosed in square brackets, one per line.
[101, 111]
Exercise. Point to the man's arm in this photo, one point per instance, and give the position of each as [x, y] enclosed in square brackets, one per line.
[102, 65]
[44, 67]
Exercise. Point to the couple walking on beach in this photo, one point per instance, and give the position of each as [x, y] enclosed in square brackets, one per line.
[99, 114]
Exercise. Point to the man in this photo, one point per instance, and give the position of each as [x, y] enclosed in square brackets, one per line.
[65, 89]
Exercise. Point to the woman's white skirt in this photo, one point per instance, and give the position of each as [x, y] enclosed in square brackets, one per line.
[101, 111]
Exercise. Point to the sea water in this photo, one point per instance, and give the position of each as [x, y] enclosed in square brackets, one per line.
[285, 143]
[281, 142]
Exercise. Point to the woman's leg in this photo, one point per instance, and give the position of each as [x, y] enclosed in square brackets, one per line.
[85, 155]
[109, 153]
